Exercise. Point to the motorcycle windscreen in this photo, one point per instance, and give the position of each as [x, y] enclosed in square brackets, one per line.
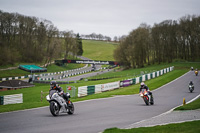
[143, 90]
[51, 92]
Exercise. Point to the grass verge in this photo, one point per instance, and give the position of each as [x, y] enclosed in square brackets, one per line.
[186, 127]
[191, 106]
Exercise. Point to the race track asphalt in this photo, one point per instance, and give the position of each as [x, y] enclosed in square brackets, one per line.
[94, 116]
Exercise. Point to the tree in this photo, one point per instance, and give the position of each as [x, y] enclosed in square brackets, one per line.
[79, 44]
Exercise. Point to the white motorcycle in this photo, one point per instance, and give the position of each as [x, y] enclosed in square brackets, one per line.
[58, 104]
[191, 88]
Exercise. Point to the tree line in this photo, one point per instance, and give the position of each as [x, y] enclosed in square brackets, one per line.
[101, 37]
[164, 42]
[95, 36]
[29, 39]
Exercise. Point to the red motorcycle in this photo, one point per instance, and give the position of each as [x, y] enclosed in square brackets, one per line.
[146, 97]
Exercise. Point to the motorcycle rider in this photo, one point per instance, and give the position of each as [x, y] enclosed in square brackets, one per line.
[191, 83]
[196, 71]
[143, 86]
[55, 86]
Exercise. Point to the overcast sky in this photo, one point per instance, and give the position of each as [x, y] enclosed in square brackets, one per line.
[108, 17]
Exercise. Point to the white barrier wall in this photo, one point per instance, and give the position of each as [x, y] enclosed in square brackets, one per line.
[143, 77]
[164, 70]
[149, 76]
[161, 72]
[158, 73]
[110, 86]
[12, 99]
[97, 88]
[137, 80]
[88, 90]
[153, 75]
[82, 91]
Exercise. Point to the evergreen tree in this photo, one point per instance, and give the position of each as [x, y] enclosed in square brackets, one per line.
[79, 44]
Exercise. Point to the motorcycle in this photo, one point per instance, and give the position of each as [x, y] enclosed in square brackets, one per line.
[146, 97]
[58, 104]
[196, 72]
[191, 88]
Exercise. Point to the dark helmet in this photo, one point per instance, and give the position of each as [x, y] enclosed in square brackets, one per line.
[190, 82]
[53, 83]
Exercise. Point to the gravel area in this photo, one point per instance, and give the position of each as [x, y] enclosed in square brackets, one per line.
[167, 118]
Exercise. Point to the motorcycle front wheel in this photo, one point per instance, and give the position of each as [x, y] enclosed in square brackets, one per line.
[54, 108]
[146, 101]
[191, 89]
[71, 108]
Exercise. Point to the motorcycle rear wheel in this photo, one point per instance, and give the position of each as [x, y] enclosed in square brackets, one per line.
[54, 108]
[152, 101]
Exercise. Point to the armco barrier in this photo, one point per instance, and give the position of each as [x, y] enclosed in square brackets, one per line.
[89, 90]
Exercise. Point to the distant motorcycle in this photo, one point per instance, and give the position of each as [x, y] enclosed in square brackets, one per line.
[146, 97]
[196, 72]
[191, 88]
[58, 104]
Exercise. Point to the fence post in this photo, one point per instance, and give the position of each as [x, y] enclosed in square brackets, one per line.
[41, 95]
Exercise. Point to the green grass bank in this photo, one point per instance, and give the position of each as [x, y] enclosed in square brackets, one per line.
[186, 127]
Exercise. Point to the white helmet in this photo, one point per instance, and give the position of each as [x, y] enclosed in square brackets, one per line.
[142, 84]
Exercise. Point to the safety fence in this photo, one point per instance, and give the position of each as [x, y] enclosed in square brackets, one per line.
[94, 89]
[11, 99]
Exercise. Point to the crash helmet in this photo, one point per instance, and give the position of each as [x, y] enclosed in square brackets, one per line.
[52, 84]
[142, 84]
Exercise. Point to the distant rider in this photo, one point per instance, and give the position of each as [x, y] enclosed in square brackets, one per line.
[143, 86]
[55, 86]
[196, 71]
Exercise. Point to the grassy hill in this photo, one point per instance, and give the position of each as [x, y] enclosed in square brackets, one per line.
[98, 50]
